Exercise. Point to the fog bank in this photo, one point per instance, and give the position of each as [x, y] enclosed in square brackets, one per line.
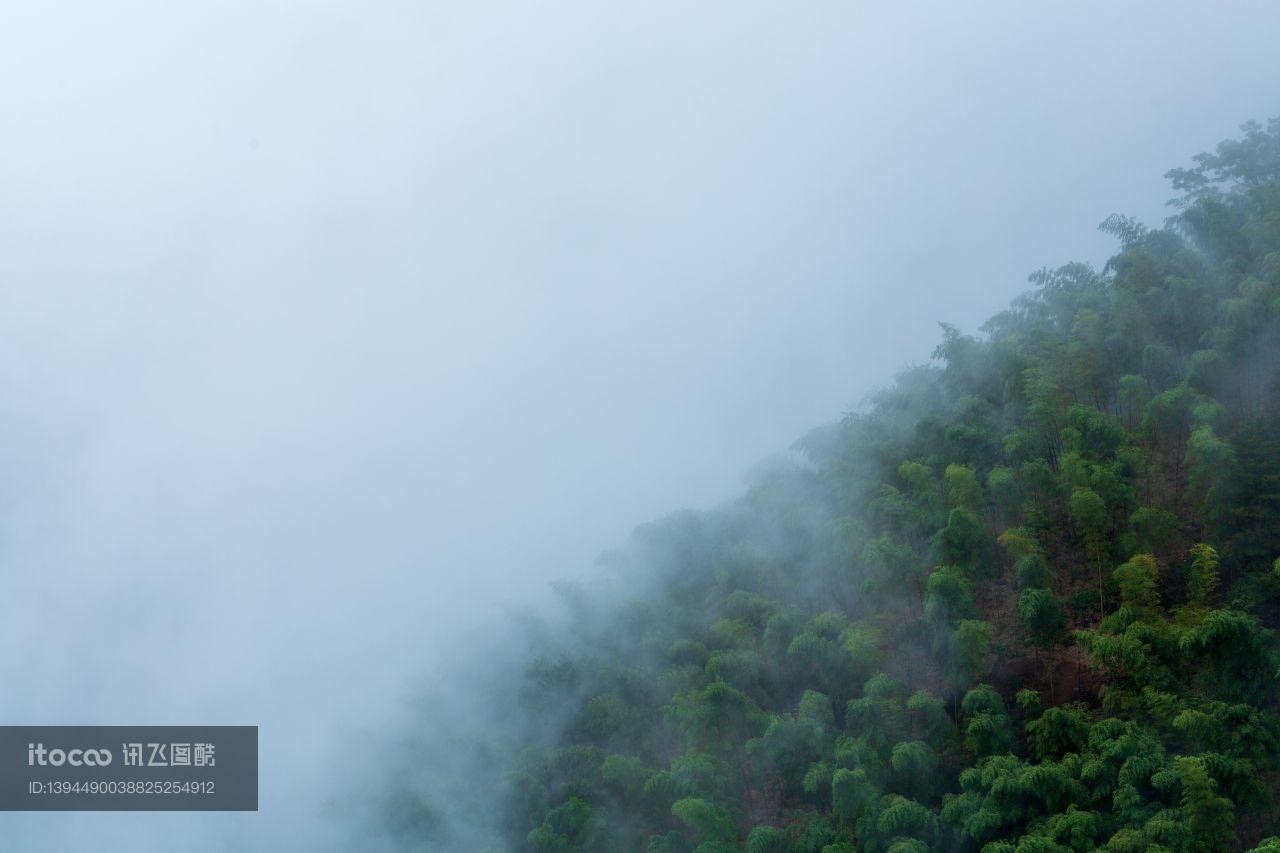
[333, 332]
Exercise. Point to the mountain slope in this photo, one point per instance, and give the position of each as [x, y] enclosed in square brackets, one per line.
[1023, 602]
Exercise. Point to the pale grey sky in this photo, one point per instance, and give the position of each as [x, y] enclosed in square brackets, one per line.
[329, 329]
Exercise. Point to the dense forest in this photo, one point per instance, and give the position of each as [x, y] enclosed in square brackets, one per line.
[1023, 600]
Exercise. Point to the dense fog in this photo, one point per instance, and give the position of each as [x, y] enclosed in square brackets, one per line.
[333, 334]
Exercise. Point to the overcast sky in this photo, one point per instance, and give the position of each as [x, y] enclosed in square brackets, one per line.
[329, 330]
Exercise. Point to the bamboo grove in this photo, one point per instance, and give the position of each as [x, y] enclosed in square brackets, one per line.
[1024, 600]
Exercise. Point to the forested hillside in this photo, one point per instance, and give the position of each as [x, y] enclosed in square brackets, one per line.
[1025, 600]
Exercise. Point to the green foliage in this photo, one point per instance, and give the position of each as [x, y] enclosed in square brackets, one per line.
[1090, 515]
[902, 816]
[767, 839]
[963, 488]
[969, 620]
[1005, 491]
[928, 718]
[1250, 162]
[987, 728]
[962, 541]
[707, 821]
[565, 827]
[1032, 571]
[852, 794]
[1041, 611]
[1209, 818]
[1203, 578]
[948, 597]
[878, 715]
[969, 644]
[1155, 528]
[907, 845]
[1137, 582]
[1059, 731]
[716, 714]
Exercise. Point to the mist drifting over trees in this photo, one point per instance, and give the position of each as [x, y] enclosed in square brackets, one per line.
[334, 333]
[1024, 600]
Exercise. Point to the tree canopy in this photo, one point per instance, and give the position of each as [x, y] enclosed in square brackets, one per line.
[1024, 601]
